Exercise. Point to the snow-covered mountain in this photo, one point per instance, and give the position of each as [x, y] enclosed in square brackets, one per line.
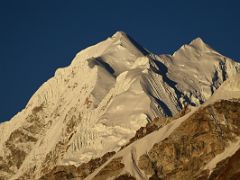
[203, 144]
[94, 106]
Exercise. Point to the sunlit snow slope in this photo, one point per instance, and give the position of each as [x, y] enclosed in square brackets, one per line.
[96, 104]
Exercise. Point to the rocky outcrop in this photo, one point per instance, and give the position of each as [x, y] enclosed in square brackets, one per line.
[20, 141]
[197, 141]
[155, 124]
[229, 168]
[125, 177]
[206, 137]
[80, 172]
[112, 169]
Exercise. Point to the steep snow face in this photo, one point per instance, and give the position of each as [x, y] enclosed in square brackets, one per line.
[197, 70]
[87, 109]
[230, 89]
[96, 104]
[118, 53]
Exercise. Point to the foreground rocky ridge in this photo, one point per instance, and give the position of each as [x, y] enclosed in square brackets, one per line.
[205, 145]
[97, 104]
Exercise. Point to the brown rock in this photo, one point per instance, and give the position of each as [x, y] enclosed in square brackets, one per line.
[145, 164]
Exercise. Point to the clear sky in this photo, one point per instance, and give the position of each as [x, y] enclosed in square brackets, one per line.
[38, 36]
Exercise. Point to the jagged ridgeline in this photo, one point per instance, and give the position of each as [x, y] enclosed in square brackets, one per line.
[119, 111]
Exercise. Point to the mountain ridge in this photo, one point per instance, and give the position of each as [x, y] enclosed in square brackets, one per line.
[97, 103]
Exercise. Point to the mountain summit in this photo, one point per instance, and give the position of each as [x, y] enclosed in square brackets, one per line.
[93, 108]
[199, 44]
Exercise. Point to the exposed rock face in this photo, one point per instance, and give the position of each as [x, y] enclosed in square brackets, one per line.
[80, 172]
[112, 169]
[19, 143]
[197, 141]
[197, 149]
[125, 177]
[229, 168]
[155, 124]
[146, 165]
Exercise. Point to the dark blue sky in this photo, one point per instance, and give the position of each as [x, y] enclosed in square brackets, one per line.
[37, 37]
